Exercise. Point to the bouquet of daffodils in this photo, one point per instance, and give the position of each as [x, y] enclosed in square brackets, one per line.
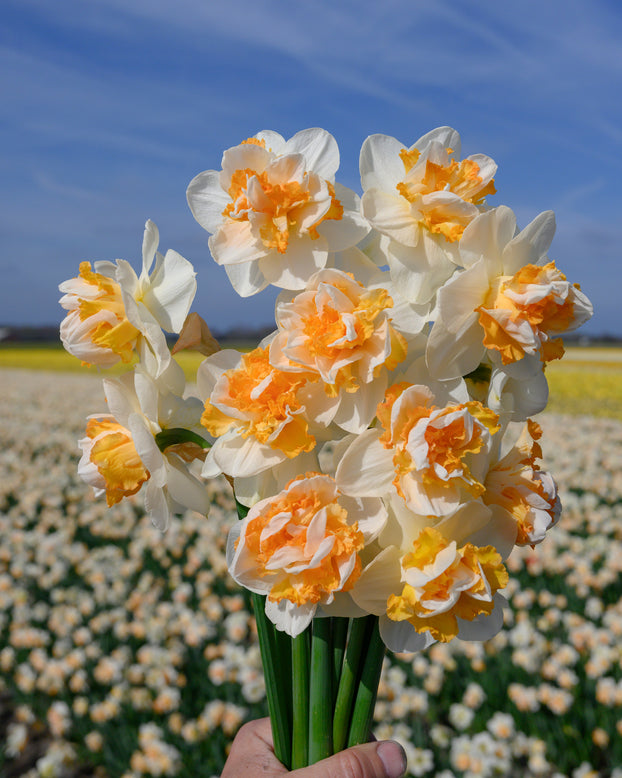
[379, 442]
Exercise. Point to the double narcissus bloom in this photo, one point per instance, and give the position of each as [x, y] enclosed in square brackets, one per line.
[420, 199]
[125, 451]
[510, 304]
[259, 415]
[340, 331]
[275, 210]
[444, 584]
[516, 484]
[301, 548]
[113, 312]
[430, 455]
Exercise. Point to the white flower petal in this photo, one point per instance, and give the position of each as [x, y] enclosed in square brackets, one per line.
[402, 637]
[319, 149]
[531, 244]
[171, 291]
[293, 269]
[391, 215]
[290, 618]
[366, 469]
[207, 199]
[380, 164]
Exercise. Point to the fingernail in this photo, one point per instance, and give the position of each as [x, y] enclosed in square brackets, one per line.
[393, 757]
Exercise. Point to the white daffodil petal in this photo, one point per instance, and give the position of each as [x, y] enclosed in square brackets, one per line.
[171, 291]
[207, 199]
[484, 626]
[156, 506]
[531, 244]
[402, 637]
[319, 149]
[290, 618]
[380, 164]
[366, 469]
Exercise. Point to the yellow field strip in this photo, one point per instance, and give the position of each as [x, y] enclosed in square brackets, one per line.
[586, 382]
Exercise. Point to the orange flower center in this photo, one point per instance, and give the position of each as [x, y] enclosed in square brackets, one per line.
[116, 459]
[462, 587]
[319, 577]
[281, 203]
[518, 299]
[461, 178]
[120, 337]
[267, 399]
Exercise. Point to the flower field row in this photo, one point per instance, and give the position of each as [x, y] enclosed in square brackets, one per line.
[132, 653]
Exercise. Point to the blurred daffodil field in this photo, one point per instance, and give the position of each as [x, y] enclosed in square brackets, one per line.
[128, 652]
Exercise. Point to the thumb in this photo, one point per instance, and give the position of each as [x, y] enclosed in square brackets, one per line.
[371, 760]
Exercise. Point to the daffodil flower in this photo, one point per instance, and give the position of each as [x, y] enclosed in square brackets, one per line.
[340, 331]
[121, 455]
[259, 415]
[510, 304]
[113, 312]
[433, 456]
[445, 589]
[517, 485]
[420, 199]
[275, 211]
[301, 548]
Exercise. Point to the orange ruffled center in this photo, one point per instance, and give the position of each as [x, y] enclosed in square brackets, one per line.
[446, 436]
[119, 337]
[264, 402]
[462, 179]
[281, 204]
[332, 338]
[517, 485]
[303, 537]
[117, 461]
[521, 310]
[446, 583]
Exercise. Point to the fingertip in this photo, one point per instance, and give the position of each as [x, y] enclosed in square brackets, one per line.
[393, 757]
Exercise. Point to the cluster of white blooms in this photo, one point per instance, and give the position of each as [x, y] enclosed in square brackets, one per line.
[381, 437]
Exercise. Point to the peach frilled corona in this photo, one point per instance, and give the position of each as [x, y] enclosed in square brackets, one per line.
[509, 305]
[434, 442]
[424, 452]
[521, 313]
[257, 414]
[259, 401]
[110, 462]
[444, 583]
[299, 548]
[339, 330]
[96, 329]
[527, 493]
[275, 211]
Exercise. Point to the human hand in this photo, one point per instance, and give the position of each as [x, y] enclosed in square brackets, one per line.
[252, 756]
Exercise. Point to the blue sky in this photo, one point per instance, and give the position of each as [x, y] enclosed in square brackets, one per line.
[108, 108]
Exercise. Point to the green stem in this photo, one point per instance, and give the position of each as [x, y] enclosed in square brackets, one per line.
[363, 712]
[340, 634]
[275, 654]
[301, 649]
[276, 690]
[320, 693]
[350, 675]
